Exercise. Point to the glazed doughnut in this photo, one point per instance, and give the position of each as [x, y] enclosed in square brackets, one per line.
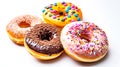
[84, 41]
[43, 42]
[61, 13]
[18, 27]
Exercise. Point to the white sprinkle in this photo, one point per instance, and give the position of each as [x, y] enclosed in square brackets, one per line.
[27, 39]
[30, 40]
[54, 36]
[94, 53]
[33, 43]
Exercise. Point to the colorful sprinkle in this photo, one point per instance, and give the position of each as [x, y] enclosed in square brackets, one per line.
[50, 15]
[69, 7]
[54, 17]
[51, 9]
[78, 18]
[62, 20]
[46, 13]
[43, 11]
[58, 19]
[69, 16]
[72, 20]
[66, 10]
[58, 15]
[63, 2]
[55, 4]
[73, 6]
[76, 7]
[73, 12]
[65, 18]
[76, 15]
[77, 10]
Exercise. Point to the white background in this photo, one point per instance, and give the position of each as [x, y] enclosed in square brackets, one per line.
[104, 13]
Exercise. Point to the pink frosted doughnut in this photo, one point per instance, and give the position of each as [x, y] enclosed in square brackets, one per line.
[84, 41]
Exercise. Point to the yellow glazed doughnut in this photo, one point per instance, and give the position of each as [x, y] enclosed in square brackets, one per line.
[84, 41]
[61, 13]
[18, 27]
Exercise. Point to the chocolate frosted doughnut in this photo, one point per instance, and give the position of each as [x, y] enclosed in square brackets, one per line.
[45, 39]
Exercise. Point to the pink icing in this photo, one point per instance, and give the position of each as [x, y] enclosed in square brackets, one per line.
[86, 39]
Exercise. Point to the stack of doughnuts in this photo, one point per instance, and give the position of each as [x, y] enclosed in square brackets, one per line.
[62, 30]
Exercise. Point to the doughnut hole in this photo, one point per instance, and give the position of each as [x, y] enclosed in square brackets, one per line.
[45, 35]
[60, 13]
[24, 24]
[85, 35]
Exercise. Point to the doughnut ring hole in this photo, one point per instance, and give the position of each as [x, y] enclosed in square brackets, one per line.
[45, 35]
[24, 24]
[86, 37]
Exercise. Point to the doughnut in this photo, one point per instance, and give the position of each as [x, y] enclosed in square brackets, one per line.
[84, 41]
[18, 27]
[43, 41]
[61, 13]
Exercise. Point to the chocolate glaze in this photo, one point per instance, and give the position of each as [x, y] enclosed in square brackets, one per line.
[44, 38]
